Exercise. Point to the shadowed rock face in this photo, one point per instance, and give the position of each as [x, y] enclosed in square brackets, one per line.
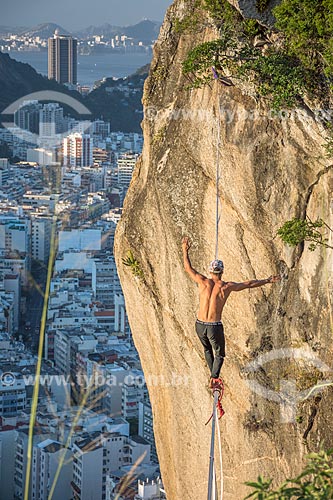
[251, 9]
[272, 169]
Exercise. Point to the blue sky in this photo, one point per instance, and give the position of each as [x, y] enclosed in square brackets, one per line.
[76, 14]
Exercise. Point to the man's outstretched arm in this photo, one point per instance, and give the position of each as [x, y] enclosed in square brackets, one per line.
[197, 277]
[238, 287]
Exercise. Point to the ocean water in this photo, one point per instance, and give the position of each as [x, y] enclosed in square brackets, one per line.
[90, 68]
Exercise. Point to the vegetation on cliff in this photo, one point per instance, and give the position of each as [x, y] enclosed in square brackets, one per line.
[307, 26]
[298, 63]
[314, 483]
[297, 231]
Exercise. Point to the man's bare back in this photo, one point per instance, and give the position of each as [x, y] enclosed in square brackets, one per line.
[212, 296]
[213, 292]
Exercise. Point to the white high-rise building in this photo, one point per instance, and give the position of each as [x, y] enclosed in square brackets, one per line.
[126, 164]
[13, 397]
[40, 238]
[105, 281]
[41, 156]
[132, 394]
[46, 458]
[51, 118]
[4, 172]
[80, 239]
[15, 234]
[96, 455]
[78, 150]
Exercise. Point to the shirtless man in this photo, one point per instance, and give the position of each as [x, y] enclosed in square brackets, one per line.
[213, 294]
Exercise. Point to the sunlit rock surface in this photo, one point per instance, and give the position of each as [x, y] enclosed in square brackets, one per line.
[272, 169]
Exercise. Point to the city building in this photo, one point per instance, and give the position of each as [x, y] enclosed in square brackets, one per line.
[7, 319]
[45, 461]
[96, 455]
[27, 116]
[12, 395]
[101, 128]
[77, 150]
[51, 117]
[133, 391]
[15, 234]
[121, 323]
[41, 237]
[4, 172]
[80, 239]
[21, 457]
[11, 285]
[126, 164]
[146, 429]
[150, 490]
[41, 156]
[105, 281]
[62, 58]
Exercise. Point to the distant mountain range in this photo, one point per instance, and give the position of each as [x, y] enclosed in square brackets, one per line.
[5, 30]
[44, 30]
[144, 30]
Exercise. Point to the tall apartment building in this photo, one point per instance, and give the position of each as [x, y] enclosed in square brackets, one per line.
[15, 234]
[10, 284]
[77, 150]
[96, 455]
[12, 396]
[121, 323]
[62, 58]
[126, 164]
[100, 127]
[51, 120]
[146, 429]
[132, 394]
[21, 459]
[15, 246]
[105, 281]
[4, 172]
[46, 458]
[40, 237]
[27, 116]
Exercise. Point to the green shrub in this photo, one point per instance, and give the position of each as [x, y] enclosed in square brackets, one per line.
[308, 28]
[283, 74]
[251, 28]
[131, 262]
[329, 145]
[262, 5]
[314, 483]
[277, 75]
[222, 12]
[297, 231]
[200, 60]
[192, 20]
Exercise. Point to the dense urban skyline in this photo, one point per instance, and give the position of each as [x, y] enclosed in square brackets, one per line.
[80, 14]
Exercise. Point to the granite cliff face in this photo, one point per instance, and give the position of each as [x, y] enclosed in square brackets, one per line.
[273, 168]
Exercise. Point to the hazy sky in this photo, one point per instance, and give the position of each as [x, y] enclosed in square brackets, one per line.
[75, 14]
